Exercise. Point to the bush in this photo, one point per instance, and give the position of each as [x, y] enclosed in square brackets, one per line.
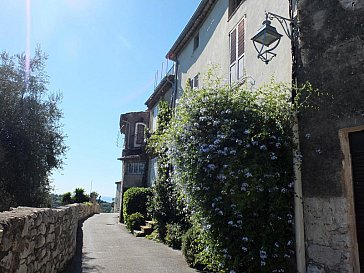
[191, 246]
[66, 198]
[80, 196]
[197, 250]
[135, 200]
[174, 233]
[231, 150]
[135, 220]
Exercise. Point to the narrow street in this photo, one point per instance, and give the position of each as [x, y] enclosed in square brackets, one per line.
[107, 247]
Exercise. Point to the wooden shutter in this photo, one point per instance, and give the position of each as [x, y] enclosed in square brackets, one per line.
[357, 161]
[241, 38]
[233, 46]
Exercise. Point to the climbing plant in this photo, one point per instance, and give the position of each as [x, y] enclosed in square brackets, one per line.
[166, 203]
[231, 149]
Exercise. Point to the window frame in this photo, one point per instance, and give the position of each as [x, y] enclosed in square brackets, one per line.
[135, 168]
[136, 134]
[237, 62]
[195, 82]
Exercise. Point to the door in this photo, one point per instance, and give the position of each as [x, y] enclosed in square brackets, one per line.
[356, 140]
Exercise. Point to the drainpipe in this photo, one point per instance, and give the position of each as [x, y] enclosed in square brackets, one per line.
[174, 96]
[298, 202]
[298, 197]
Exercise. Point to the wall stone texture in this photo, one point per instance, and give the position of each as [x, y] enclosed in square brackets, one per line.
[331, 58]
[327, 228]
[40, 239]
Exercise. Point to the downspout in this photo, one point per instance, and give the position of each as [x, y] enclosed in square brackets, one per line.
[298, 195]
[174, 96]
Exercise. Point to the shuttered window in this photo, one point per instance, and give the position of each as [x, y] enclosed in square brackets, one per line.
[233, 46]
[237, 52]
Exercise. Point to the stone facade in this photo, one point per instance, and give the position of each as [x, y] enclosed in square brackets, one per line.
[331, 58]
[134, 159]
[38, 239]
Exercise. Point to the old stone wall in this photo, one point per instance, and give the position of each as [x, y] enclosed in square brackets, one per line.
[39, 239]
[331, 58]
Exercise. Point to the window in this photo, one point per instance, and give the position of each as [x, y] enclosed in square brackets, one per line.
[135, 168]
[233, 5]
[126, 131]
[139, 134]
[237, 50]
[153, 171]
[154, 118]
[196, 41]
[194, 83]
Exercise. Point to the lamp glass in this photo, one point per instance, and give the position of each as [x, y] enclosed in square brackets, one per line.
[267, 34]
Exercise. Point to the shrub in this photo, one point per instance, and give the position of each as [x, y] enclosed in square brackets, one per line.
[80, 196]
[135, 200]
[174, 233]
[197, 250]
[66, 198]
[135, 220]
[191, 246]
[231, 150]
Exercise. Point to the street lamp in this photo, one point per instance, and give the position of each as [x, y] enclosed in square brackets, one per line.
[267, 37]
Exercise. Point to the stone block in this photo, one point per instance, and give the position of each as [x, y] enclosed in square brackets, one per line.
[40, 241]
[50, 238]
[27, 250]
[6, 262]
[23, 268]
[311, 268]
[42, 229]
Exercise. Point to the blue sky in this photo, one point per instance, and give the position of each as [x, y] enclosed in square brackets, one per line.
[103, 57]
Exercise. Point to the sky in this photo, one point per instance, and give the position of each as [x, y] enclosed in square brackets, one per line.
[103, 56]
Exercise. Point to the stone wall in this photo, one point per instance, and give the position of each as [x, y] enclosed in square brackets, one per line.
[331, 58]
[39, 239]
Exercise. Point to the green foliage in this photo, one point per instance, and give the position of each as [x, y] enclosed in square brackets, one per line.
[135, 200]
[191, 246]
[174, 233]
[80, 196]
[232, 152]
[31, 138]
[67, 198]
[135, 220]
[199, 251]
[167, 203]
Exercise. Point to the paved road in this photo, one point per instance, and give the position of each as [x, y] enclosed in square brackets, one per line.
[107, 247]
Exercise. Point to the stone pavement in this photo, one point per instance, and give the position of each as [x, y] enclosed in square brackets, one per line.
[107, 247]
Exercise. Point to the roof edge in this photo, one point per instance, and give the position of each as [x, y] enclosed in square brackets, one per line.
[195, 21]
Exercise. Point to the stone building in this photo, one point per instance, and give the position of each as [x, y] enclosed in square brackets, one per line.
[134, 159]
[331, 57]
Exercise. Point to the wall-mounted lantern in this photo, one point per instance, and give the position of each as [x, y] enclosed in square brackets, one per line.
[267, 37]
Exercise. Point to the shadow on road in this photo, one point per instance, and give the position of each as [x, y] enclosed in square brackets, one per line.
[78, 263]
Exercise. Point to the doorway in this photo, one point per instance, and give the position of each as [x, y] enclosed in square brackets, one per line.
[356, 142]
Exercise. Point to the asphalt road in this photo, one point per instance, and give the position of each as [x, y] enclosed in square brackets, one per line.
[105, 246]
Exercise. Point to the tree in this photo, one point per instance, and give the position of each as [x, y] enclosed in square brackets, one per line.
[31, 138]
[66, 198]
[80, 196]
